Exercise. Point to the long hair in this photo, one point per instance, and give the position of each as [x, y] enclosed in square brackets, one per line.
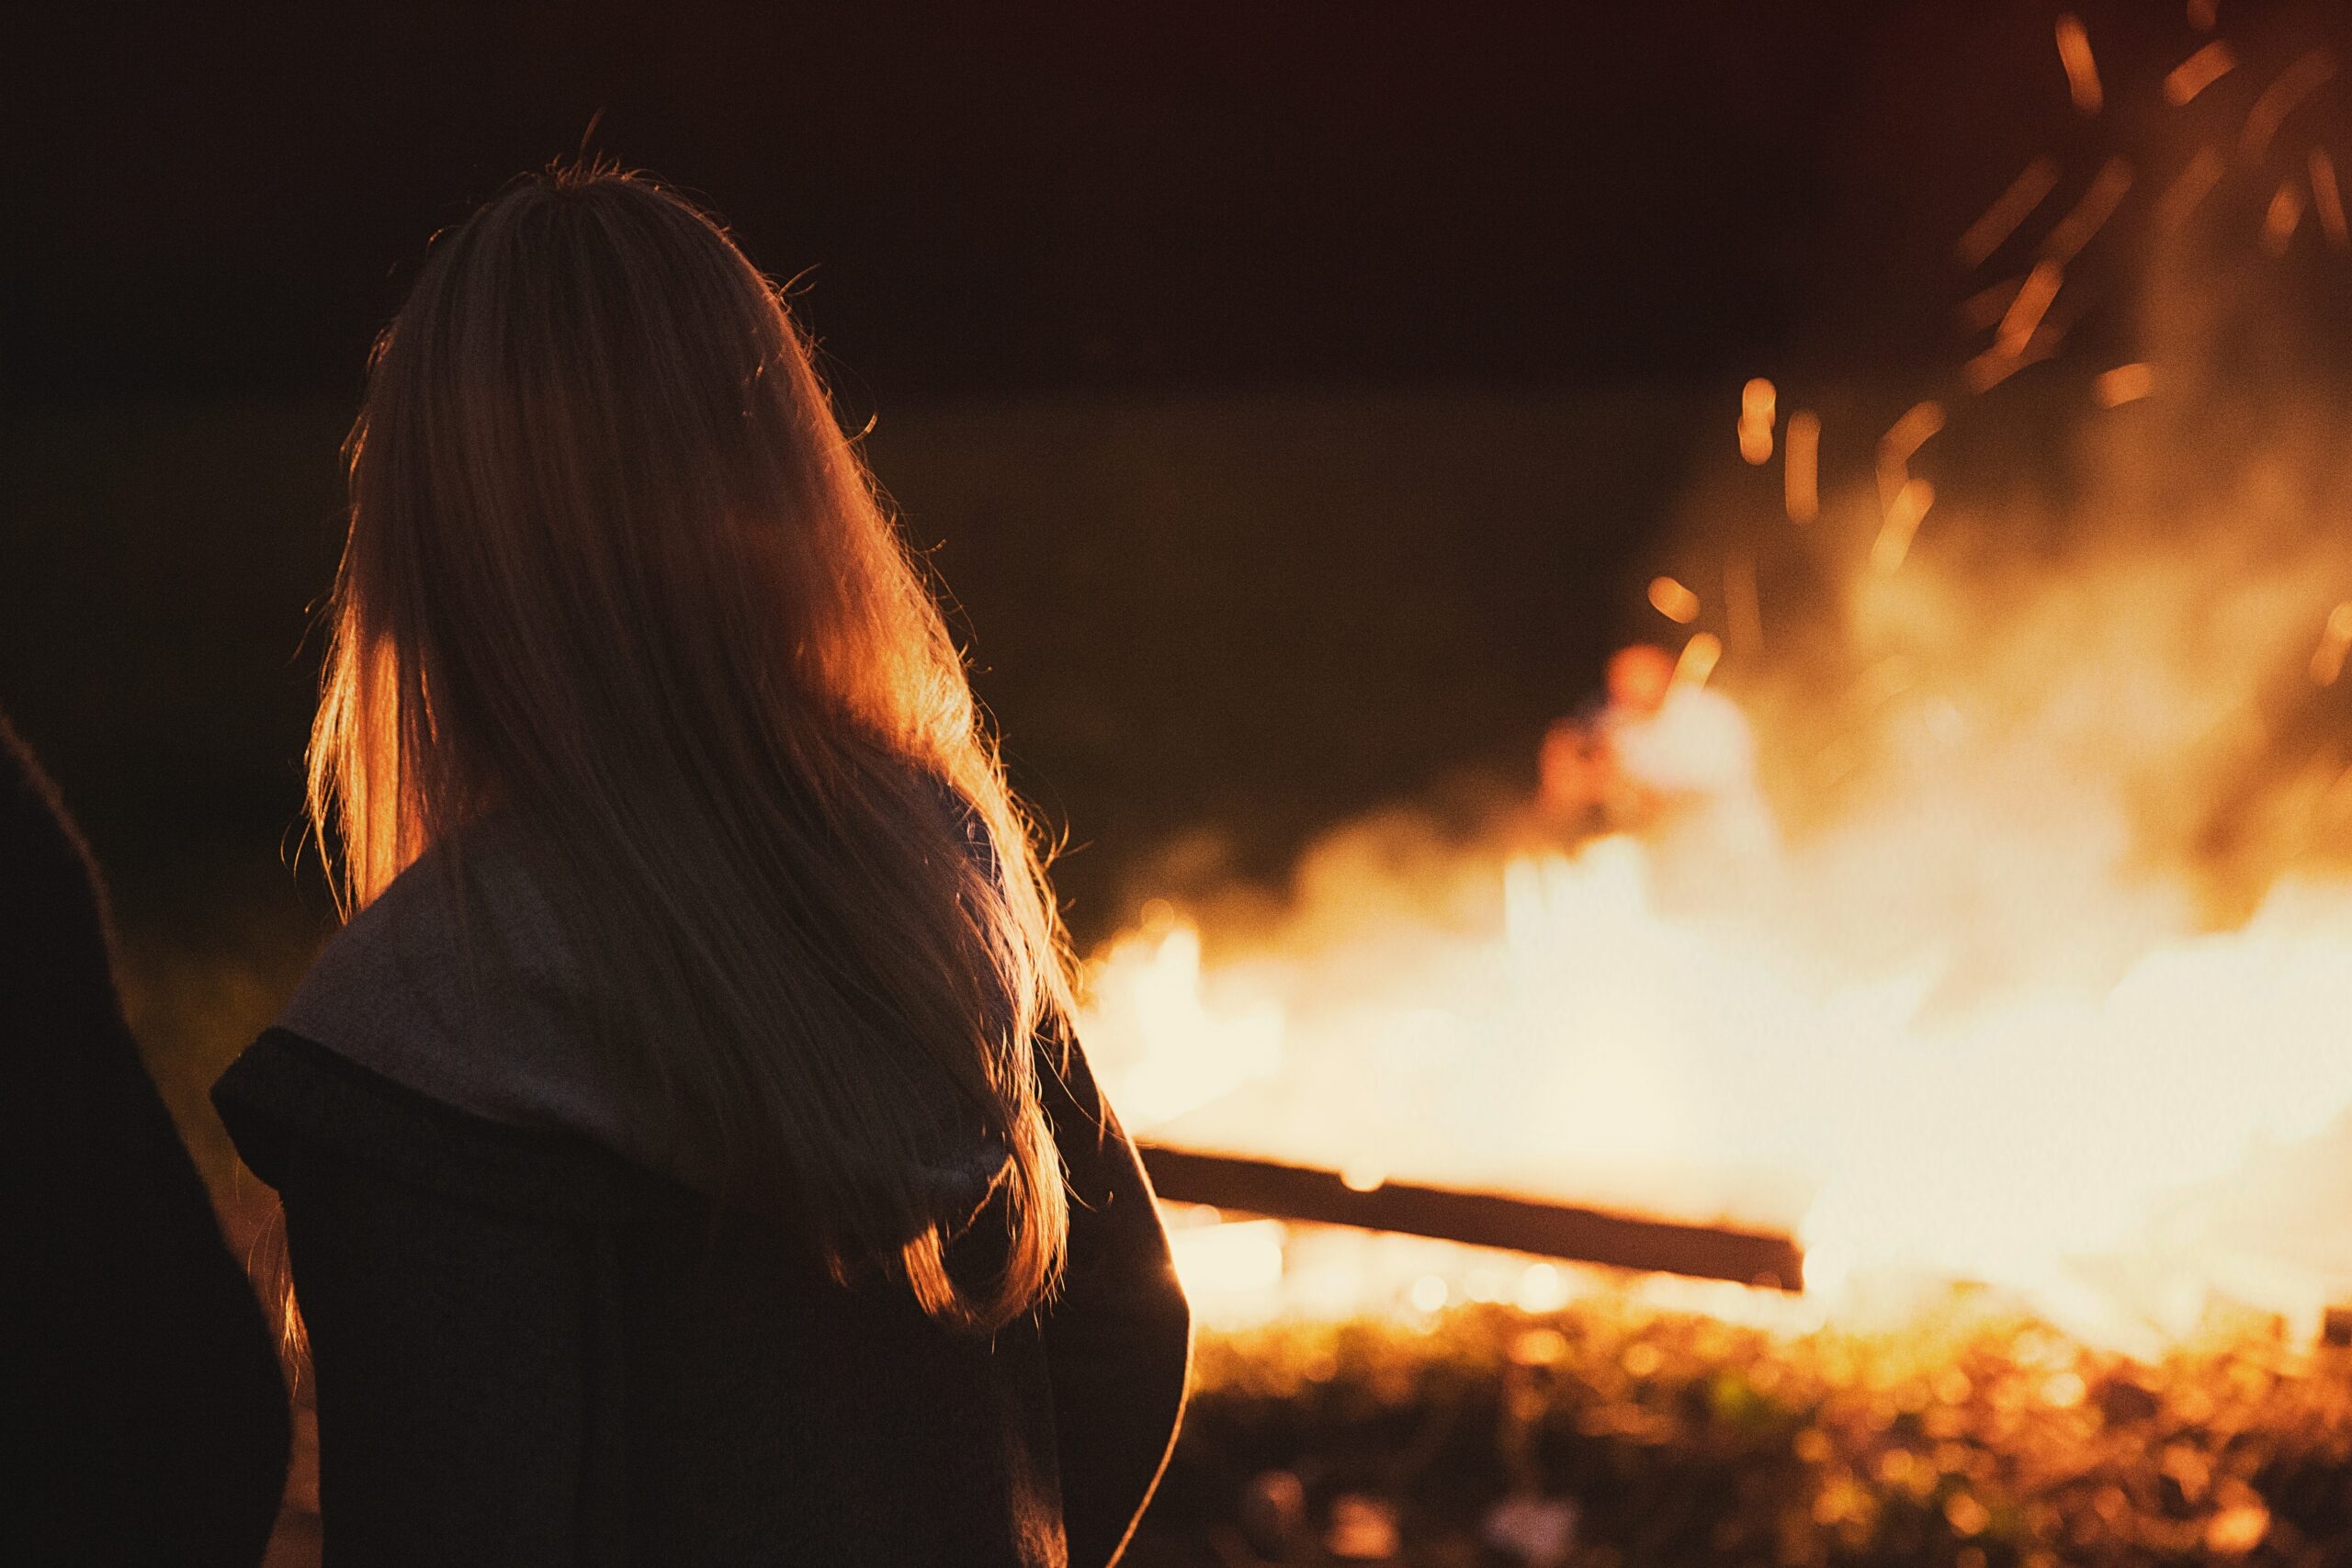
[615, 579]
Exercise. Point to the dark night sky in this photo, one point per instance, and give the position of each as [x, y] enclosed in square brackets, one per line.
[1626, 208]
[227, 198]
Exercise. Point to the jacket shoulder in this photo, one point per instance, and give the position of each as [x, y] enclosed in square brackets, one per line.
[286, 1091]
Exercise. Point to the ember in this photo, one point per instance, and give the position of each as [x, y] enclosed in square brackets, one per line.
[1618, 1432]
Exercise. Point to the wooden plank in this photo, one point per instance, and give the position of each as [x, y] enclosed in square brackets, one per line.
[1476, 1219]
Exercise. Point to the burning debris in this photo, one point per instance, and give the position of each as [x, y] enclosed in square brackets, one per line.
[1615, 1433]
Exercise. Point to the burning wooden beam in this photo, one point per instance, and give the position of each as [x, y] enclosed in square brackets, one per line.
[1476, 1219]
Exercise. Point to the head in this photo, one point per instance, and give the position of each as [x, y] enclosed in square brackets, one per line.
[616, 580]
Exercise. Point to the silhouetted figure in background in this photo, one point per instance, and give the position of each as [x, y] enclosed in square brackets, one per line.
[141, 1408]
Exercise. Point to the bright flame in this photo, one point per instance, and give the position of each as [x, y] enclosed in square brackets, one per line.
[1963, 1031]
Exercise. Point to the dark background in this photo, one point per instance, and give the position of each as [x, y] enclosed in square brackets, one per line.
[1297, 395]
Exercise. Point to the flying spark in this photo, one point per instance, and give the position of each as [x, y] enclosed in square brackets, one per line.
[2013, 207]
[2189, 188]
[2124, 384]
[1758, 403]
[1904, 515]
[1699, 657]
[2199, 72]
[2082, 71]
[1901, 443]
[2025, 313]
[2279, 100]
[2284, 216]
[2327, 200]
[1673, 600]
[1801, 460]
[2090, 214]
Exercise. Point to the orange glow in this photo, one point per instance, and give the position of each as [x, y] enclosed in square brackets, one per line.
[2327, 198]
[2335, 639]
[1801, 466]
[2124, 384]
[2279, 100]
[2088, 215]
[2025, 313]
[1758, 403]
[2283, 217]
[2082, 71]
[2189, 188]
[2199, 72]
[1673, 600]
[1904, 515]
[2013, 207]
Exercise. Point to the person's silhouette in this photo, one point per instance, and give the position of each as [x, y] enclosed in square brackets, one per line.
[141, 1405]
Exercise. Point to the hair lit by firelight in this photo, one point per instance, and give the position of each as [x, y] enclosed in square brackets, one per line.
[617, 582]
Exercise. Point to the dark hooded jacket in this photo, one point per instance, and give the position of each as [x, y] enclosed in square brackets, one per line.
[141, 1404]
[536, 1342]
